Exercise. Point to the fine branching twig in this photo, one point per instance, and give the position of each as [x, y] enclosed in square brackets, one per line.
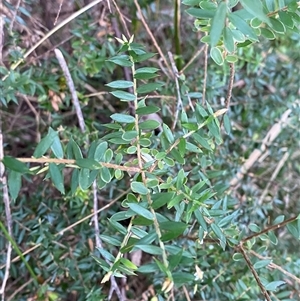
[71, 86]
[192, 59]
[152, 37]
[253, 271]
[179, 101]
[229, 91]
[271, 228]
[205, 74]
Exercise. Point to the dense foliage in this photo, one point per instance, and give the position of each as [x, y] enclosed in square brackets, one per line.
[151, 151]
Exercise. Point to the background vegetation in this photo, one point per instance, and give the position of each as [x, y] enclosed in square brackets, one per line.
[177, 123]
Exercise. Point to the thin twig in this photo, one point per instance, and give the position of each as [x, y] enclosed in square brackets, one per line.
[121, 18]
[229, 91]
[253, 271]
[179, 100]
[3, 182]
[192, 59]
[14, 16]
[274, 175]
[58, 12]
[271, 228]
[72, 162]
[71, 86]
[205, 74]
[151, 36]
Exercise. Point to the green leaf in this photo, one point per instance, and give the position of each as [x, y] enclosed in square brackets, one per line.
[181, 179]
[84, 179]
[228, 40]
[121, 60]
[277, 25]
[122, 118]
[227, 125]
[262, 263]
[145, 75]
[108, 155]
[147, 110]
[143, 57]
[168, 133]
[129, 135]
[105, 174]
[15, 165]
[216, 55]
[140, 210]
[56, 148]
[100, 150]
[254, 228]
[218, 23]
[88, 163]
[139, 187]
[57, 177]
[120, 84]
[76, 149]
[200, 13]
[149, 125]
[231, 59]
[255, 8]
[123, 96]
[149, 249]
[45, 143]
[243, 26]
[286, 19]
[272, 286]
[14, 183]
[171, 230]
[146, 88]
[146, 70]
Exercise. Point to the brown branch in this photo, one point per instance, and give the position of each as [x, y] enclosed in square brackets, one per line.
[151, 36]
[72, 161]
[271, 228]
[253, 271]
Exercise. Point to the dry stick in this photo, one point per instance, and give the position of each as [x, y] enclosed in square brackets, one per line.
[99, 96]
[274, 175]
[3, 181]
[61, 232]
[151, 36]
[192, 59]
[14, 16]
[205, 74]
[253, 271]
[71, 86]
[58, 12]
[179, 101]
[269, 138]
[229, 92]
[52, 31]
[271, 228]
[1, 37]
[73, 162]
[277, 267]
[122, 18]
